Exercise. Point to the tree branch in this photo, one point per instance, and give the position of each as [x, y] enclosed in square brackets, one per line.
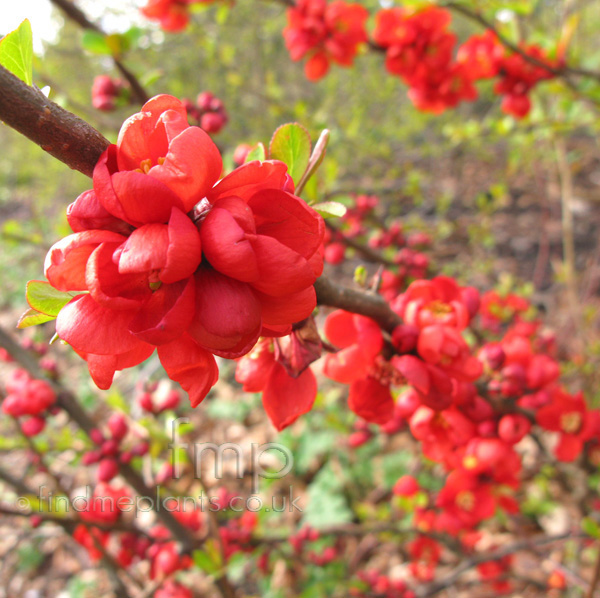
[57, 131]
[76, 15]
[67, 401]
[358, 302]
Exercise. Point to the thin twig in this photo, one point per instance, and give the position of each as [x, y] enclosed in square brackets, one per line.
[76, 15]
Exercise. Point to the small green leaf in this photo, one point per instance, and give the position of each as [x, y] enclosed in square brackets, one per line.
[16, 52]
[330, 208]
[291, 144]
[256, 153]
[151, 77]
[590, 527]
[33, 317]
[43, 297]
[203, 560]
[95, 43]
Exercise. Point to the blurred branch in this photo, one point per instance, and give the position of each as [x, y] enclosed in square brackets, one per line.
[369, 254]
[76, 15]
[69, 403]
[563, 72]
[596, 576]
[495, 555]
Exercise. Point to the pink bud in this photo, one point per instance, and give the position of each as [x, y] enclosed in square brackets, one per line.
[107, 470]
[117, 424]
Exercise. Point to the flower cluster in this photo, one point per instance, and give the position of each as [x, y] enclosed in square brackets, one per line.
[28, 399]
[419, 50]
[165, 256]
[325, 32]
[208, 112]
[107, 92]
[173, 15]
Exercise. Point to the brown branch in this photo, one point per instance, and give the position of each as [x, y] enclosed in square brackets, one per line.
[76, 15]
[495, 555]
[596, 576]
[69, 403]
[67, 522]
[57, 131]
[358, 302]
[369, 254]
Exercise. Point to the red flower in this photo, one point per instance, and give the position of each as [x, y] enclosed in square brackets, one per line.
[326, 32]
[481, 55]
[137, 254]
[437, 301]
[465, 500]
[568, 415]
[358, 364]
[285, 398]
[445, 347]
[173, 589]
[159, 163]
[173, 15]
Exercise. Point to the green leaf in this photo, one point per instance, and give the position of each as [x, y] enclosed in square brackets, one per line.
[204, 561]
[33, 317]
[291, 144]
[16, 52]
[327, 504]
[327, 209]
[590, 527]
[95, 43]
[256, 153]
[43, 297]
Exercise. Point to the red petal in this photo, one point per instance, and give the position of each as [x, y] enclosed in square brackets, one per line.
[87, 213]
[252, 370]
[371, 400]
[167, 315]
[184, 252]
[91, 328]
[225, 245]
[568, 448]
[145, 249]
[143, 135]
[108, 286]
[142, 197]
[253, 176]
[346, 365]
[282, 270]
[66, 261]
[285, 398]
[191, 366]
[276, 331]
[414, 370]
[288, 309]
[339, 329]
[289, 220]
[102, 367]
[191, 167]
[228, 319]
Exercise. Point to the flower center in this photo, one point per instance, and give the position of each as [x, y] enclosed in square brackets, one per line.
[146, 165]
[571, 422]
[385, 373]
[465, 500]
[439, 308]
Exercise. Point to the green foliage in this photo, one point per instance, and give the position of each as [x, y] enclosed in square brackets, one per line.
[329, 209]
[327, 504]
[95, 42]
[43, 297]
[256, 153]
[291, 144]
[16, 52]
